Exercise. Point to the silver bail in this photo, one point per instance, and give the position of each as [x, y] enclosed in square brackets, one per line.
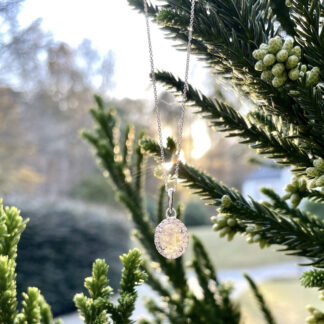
[170, 194]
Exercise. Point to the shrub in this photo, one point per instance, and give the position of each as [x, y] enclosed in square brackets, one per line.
[59, 245]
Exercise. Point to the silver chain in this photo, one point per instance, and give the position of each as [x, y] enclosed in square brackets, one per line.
[183, 104]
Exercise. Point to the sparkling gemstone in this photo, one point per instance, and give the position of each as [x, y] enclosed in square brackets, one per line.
[171, 238]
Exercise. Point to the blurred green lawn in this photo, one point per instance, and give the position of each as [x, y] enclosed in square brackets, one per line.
[286, 299]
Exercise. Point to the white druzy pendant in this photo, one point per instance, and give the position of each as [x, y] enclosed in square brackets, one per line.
[171, 238]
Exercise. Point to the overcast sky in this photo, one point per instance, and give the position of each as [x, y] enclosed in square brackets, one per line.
[113, 25]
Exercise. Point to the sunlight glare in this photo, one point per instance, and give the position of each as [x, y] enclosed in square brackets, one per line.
[200, 138]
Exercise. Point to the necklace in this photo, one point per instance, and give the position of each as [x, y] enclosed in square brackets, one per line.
[171, 236]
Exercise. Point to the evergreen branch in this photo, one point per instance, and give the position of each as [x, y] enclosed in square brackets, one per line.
[262, 304]
[296, 237]
[132, 276]
[8, 294]
[313, 279]
[280, 205]
[31, 310]
[315, 196]
[229, 120]
[45, 312]
[127, 144]
[98, 307]
[14, 225]
[307, 16]
[139, 165]
[97, 284]
[227, 39]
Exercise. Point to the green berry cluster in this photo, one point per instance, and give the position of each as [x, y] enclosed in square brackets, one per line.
[227, 225]
[279, 60]
[295, 191]
[224, 221]
[316, 174]
[254, 237]
[316, 316]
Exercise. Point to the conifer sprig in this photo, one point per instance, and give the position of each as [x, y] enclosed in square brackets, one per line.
[264, 139]
[98, 307]
[225, 37]
[35, 310]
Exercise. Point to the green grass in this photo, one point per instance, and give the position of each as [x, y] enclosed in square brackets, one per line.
[286, 299]
[236, 254]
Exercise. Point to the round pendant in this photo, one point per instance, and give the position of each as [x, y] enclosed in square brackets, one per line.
[171, 238]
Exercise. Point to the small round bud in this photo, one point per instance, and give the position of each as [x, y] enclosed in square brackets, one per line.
[310, 308]
[221, 220]
[231, 222]
[293, 74]
[264, 46]
[216, 227]
[288, 44]
[266, 75]
[275, 44]
[320, 181]
[317, 314]
[312, 184]
[259, 54]
[213, 219]
[224, 231]
[312, 77]
[303, 68]
[292, 61]
[290, 188]
[278, 69]
[282, 55]
[312, 172]
[226, 201]
[279, 81]
[319, 164]
[295, 200]
[259, 66]
[296, 51]
[269, 59]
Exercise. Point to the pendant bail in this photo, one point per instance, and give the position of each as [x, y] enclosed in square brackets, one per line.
[170, 194]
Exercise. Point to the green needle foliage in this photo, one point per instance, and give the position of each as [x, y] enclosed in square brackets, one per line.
[34, 310]
[285, 124]
[98, 307]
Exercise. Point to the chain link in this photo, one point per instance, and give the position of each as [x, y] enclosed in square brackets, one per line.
[184, 98]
